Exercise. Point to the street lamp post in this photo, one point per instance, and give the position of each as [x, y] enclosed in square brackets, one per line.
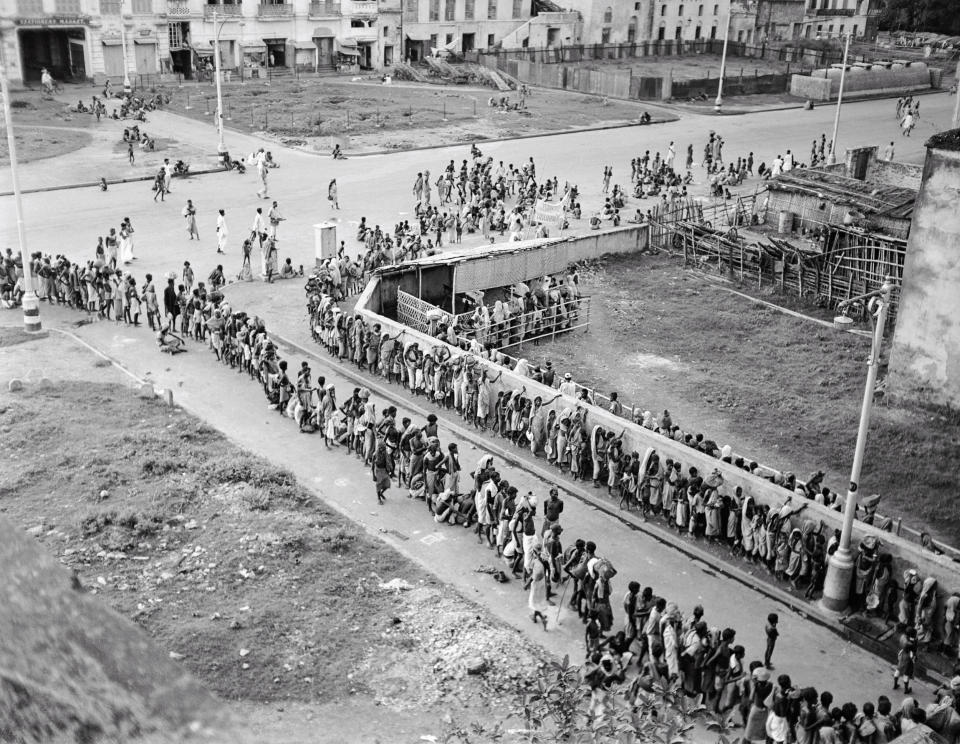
[836, 586]
[221, 147]
[718, 104]
[31, 304]
[832, 158]
[127, 88]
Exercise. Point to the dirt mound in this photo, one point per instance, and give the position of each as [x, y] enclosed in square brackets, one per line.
[74, 670]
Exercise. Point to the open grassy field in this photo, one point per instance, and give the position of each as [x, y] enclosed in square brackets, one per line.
[782, 390]
[255, 586]
[317, 112]
[44, 129]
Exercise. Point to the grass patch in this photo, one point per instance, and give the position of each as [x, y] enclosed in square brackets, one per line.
[788, 391]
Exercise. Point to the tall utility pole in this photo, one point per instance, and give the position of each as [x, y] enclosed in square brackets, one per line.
[31, 304]
[221, 148]
[718, 104]
[127, 88]
[832, 158]
[836, 585]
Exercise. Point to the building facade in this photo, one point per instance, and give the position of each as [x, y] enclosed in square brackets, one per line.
[78, 39]
[98, 39]
[825, 19]
[459, 25]
[637, 21]
[780, 20]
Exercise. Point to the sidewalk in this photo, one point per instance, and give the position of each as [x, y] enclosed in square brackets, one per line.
[202, 386]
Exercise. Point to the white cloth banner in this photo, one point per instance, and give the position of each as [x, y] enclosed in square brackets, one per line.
[549, 213]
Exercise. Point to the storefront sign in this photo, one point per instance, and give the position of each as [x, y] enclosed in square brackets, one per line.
[55, 20]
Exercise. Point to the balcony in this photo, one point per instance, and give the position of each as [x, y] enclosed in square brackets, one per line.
[360, 7]
[222, 11]
[848, 12]
[142, 7]
[325, 8]
[275, 10]
[178, 9]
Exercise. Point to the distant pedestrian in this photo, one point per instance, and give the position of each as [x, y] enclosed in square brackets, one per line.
[222, 232]
[888, 153]
[187, 277]
[190, 215]
[262, 169]
[274, 218]
[167, 175]
[130, 155]
[158, 188]
[772, 635]
[332, 194]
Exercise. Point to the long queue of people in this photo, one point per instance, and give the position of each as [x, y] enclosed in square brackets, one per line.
[696, 504]
[656, 638]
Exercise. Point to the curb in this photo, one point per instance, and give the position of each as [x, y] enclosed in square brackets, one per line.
[478, 142]
[805, 610]
[847, 98]
[96, 184]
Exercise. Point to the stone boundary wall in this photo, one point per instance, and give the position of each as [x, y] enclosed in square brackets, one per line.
[824, 85]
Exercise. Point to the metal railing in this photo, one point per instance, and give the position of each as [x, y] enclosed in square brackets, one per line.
[178, 9]
[324, 9]
[274, 10]
[222, 11]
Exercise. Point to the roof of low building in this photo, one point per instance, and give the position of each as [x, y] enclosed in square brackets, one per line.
[869, 198]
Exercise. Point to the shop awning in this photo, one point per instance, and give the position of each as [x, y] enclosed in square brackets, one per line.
[110, 42]
[304, 45]
[253, 46]
[151, 42]
[348, 48]
[323, 32]
[418, 35]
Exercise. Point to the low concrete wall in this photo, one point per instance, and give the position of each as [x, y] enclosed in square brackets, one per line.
[861, 82]
[894, 173]
[805, 86]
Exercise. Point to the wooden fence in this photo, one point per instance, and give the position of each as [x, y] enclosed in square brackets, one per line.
[840, 264]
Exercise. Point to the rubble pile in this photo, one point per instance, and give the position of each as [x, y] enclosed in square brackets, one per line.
[442, 648]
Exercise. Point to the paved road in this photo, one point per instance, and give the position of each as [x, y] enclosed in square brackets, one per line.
[234, 404]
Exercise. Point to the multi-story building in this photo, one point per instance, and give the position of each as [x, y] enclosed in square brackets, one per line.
[77, 39]
[780, 19]
[824, 19]
[460, 25]
[635, 21]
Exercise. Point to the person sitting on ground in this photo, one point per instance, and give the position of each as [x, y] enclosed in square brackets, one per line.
[168, 341]
[595, 221]
[338, 153]
[287, 271]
